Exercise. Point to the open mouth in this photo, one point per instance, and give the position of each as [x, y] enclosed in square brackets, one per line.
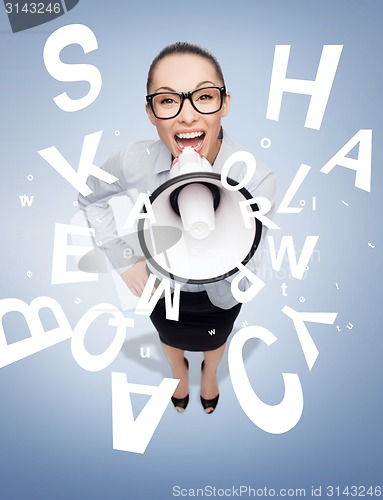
[191, 139]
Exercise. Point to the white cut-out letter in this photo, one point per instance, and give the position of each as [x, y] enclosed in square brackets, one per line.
[57, 41]
[61, 250]
[239, 156]
[40, 339]
[85, 167]
[275, 419]
[142, 200]
[319, 89]
[309, 348]
[25, 200]
[246, 295]
[293, 188]
[134, 435]
[361, 165]
[148, 302]
[264, 206]
[287, 245]
[97, 362]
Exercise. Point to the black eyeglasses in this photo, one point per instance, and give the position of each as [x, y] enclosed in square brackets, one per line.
[206, 100]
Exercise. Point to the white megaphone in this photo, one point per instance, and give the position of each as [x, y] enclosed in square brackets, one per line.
[197, 218]
[214, 237]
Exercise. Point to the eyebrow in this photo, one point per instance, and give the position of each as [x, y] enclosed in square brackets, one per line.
[169, 89]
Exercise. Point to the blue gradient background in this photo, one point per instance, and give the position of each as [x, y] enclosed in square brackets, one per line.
[56, 430]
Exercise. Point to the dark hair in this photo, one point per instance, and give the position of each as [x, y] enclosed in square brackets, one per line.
[183, 48]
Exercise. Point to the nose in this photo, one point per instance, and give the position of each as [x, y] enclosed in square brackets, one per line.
[188, 114]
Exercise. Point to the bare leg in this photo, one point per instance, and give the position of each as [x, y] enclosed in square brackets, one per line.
[209, 385]
[176, 361]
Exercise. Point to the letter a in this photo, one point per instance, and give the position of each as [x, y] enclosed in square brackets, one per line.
[361, 165]
[135, 435]
[135, 214]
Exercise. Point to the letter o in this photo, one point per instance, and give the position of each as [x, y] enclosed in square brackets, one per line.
[243, 156]
[98, 362]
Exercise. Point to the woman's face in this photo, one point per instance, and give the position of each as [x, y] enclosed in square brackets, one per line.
[182, 73]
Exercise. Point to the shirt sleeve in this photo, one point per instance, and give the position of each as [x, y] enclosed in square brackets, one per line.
[120, 250]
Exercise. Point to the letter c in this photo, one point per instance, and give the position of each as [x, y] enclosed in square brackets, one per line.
[275, 419]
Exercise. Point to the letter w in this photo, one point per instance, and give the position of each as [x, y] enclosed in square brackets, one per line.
[26, 200]
[148, 301]
[287, 245]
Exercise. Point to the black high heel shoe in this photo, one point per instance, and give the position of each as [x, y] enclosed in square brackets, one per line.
[208, 403]
[181, 402]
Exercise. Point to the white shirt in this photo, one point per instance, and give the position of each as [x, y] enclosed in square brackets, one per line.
[142, 167]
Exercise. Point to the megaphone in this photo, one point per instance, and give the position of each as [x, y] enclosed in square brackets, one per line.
[214, 237]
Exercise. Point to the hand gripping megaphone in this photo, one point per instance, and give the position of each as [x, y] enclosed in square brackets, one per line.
[214, 237]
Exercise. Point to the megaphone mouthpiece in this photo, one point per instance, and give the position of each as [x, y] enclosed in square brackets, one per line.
[195, 203]
[189, 161]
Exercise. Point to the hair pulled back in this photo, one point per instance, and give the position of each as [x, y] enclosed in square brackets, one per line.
[183, 48]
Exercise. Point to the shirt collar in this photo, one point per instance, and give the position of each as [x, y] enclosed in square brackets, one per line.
[163, 158]
[224, 152]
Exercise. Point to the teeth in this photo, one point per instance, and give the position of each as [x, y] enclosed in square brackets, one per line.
[191, 135]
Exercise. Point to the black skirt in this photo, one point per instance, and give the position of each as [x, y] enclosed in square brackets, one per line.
[201, 326]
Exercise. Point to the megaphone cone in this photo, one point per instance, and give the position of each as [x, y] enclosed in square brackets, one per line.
[214, 236]
[197, 219]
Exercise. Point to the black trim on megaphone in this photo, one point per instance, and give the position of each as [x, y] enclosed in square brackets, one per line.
[203, 178]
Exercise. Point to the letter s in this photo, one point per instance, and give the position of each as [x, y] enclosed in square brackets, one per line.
[59, 39]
